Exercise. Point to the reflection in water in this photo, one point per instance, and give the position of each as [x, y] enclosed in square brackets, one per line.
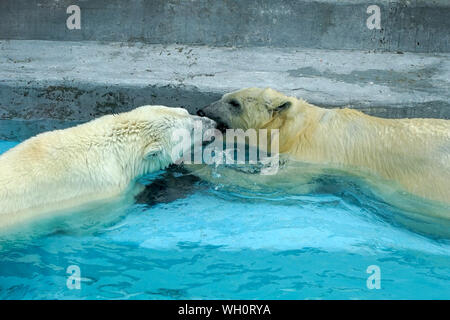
[187, 238]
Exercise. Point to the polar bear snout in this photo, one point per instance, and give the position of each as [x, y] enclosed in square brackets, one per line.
[201, 113]
[217, 112]
[205, 122]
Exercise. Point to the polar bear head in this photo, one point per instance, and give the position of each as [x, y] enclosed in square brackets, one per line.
[252, 108]
[62, 169]
[256, 108]
[142, 140]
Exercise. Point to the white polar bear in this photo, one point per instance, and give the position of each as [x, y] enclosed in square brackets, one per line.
[405, 161]
[411, 152]
[98, 160]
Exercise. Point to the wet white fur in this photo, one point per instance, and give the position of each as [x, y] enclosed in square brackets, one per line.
[94, 161]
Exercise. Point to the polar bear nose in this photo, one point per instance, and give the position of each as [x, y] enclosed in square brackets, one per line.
[201, 113]
[206, 122]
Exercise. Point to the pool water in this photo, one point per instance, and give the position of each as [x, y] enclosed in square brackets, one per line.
[211, 243]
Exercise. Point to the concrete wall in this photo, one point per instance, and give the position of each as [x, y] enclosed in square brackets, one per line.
[190, 52]
[52, 84]
[406, 25]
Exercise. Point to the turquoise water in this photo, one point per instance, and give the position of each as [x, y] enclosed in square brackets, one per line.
[211, 243]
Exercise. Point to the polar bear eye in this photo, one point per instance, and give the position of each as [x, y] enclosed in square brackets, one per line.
[234, 103]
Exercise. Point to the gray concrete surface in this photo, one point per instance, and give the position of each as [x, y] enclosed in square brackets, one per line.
[406, 25]
[51, 84]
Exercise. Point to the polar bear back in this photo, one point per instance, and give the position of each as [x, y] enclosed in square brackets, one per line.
[413, 152]
[52, 166]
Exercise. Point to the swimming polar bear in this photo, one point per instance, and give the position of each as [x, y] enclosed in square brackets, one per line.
[94, 161]
[414, 154]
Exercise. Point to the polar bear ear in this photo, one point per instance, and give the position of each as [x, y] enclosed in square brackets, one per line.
[152, 150]
[275, 101]
[283, 106]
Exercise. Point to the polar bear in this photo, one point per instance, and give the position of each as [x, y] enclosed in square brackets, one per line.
[414, 154]
[98, 160]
